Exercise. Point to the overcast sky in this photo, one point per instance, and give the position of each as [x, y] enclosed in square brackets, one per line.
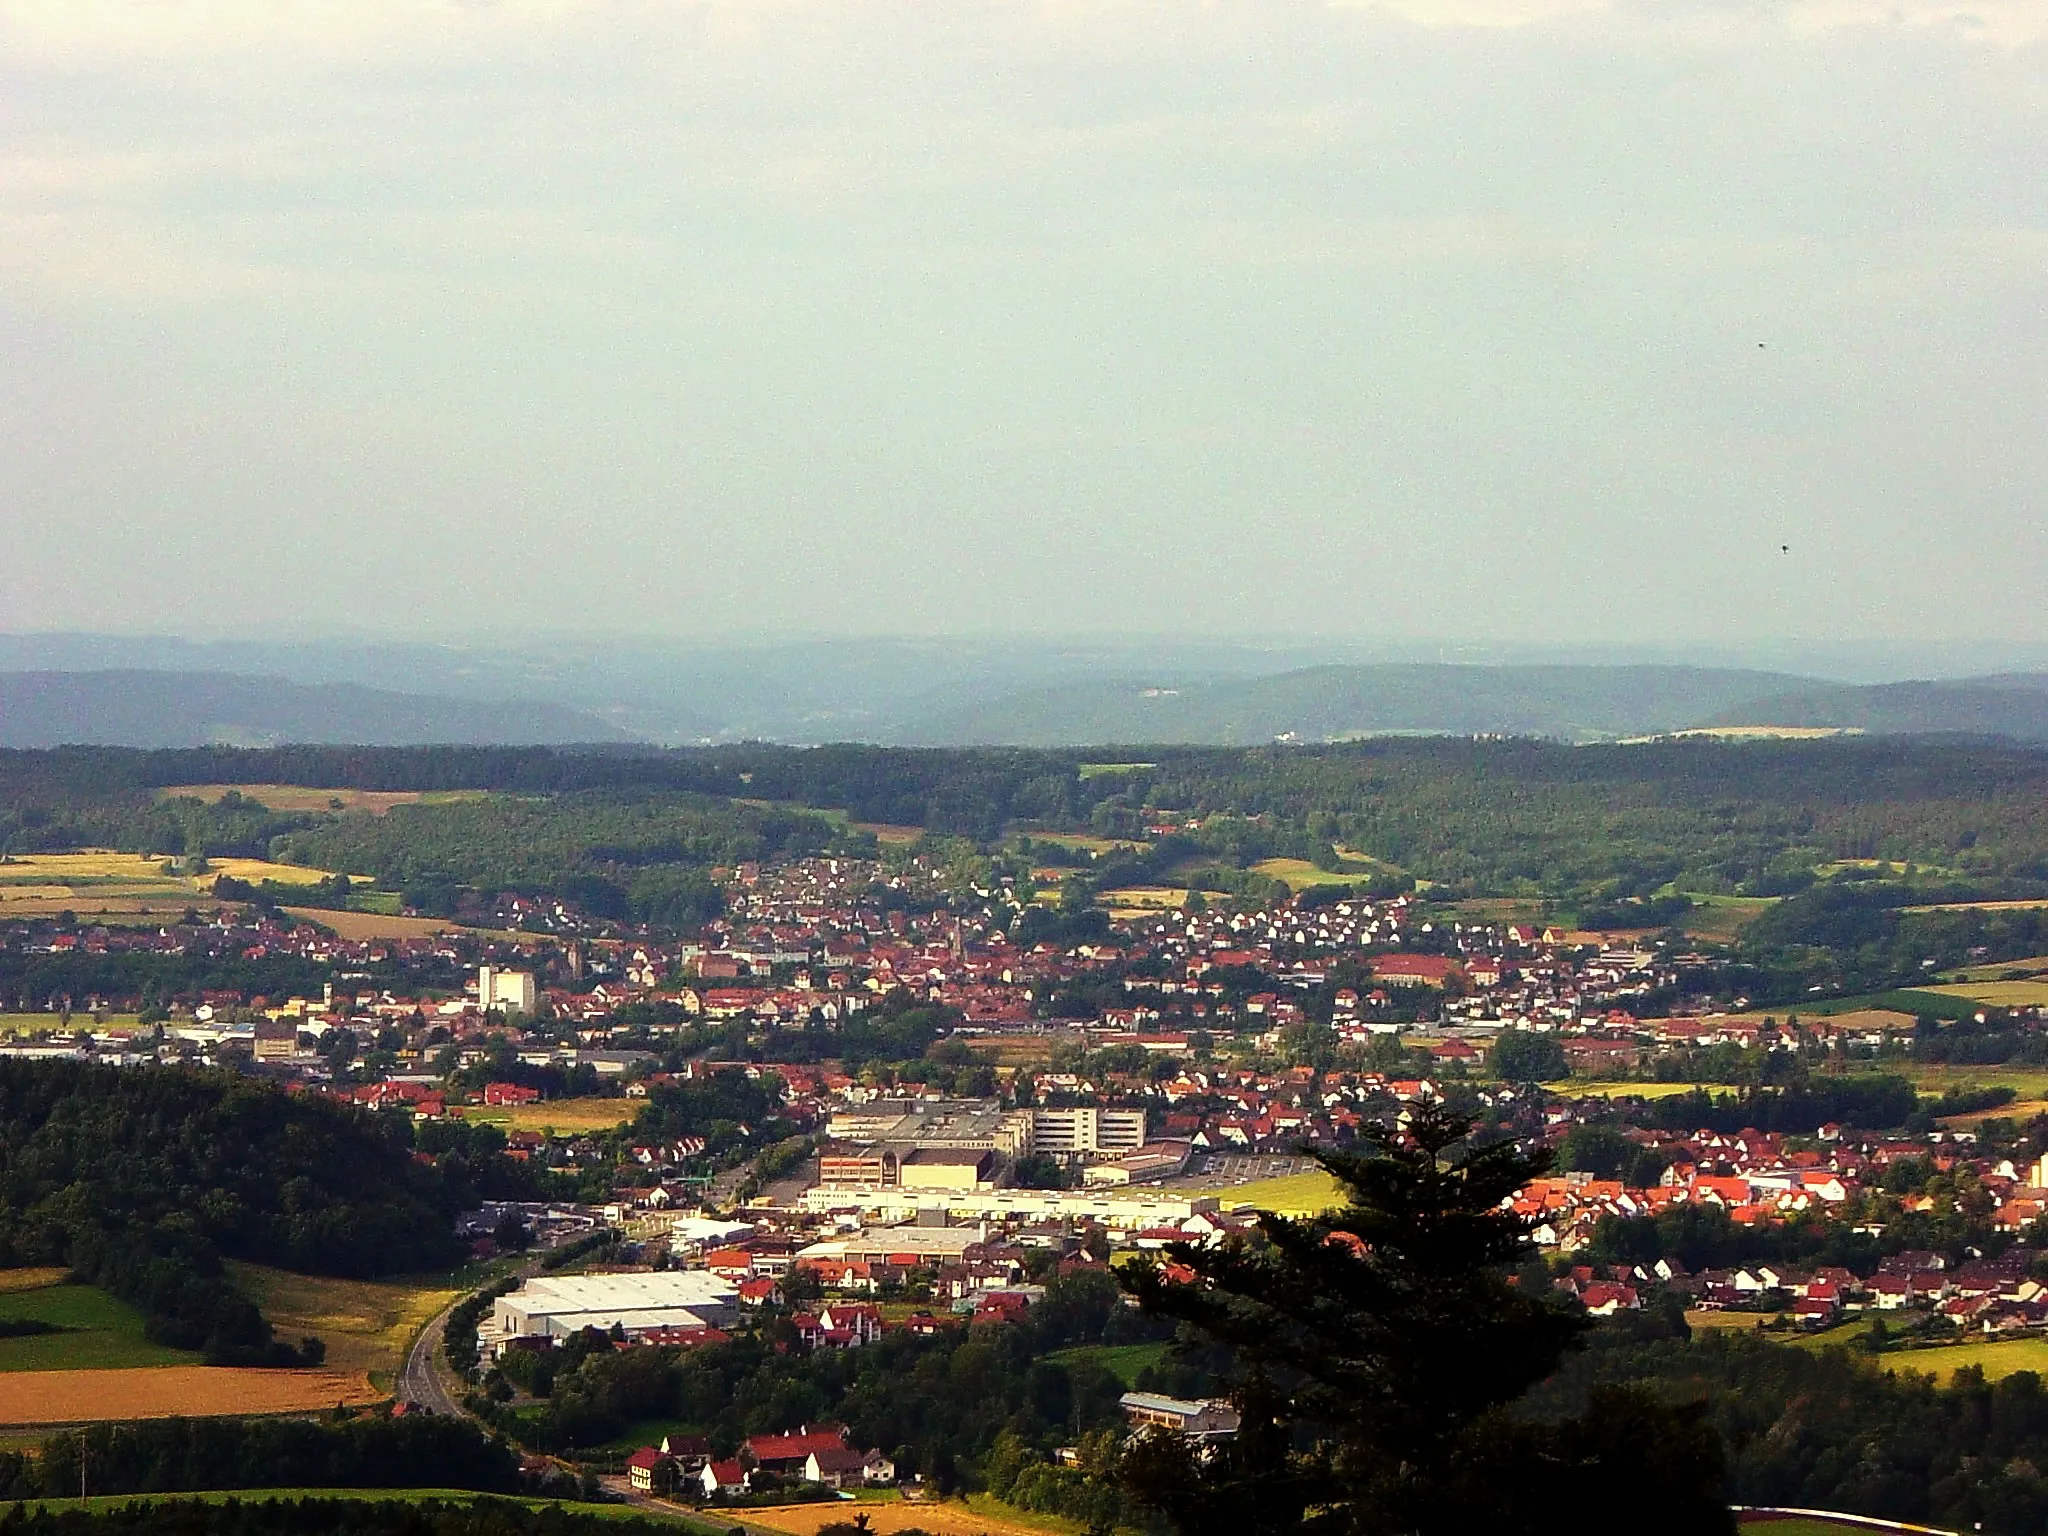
[1530, 319]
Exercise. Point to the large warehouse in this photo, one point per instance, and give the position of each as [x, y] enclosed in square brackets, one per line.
[555, 1307]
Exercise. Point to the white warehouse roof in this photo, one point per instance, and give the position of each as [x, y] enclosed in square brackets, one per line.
[667, 1298]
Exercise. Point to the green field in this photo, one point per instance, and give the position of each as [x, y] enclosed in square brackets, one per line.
[1933, 1004]
[1298, 1194]
[1123, 1361]
[100, 1332]
[1764, 1525]
[1997, 1358]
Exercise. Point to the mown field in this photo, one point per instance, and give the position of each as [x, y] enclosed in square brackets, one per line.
[37, 1023]
[1998, 994]
[124, 886]
[97, 1332]
[368, 1325]
[289, 798]
[1296, 1194]
[1123, 1361]
[1586, 1088]
[980, 1516]
[564, 1115]
[1997, 1358]
[172, 1391]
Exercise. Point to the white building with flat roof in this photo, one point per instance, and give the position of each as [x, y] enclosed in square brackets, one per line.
[555, 1307]
[513, 991]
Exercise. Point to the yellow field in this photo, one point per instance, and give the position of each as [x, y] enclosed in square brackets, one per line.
[99, 884]
[31, 1279]
[1603, 1090]
[172, 1391]
[301, 797]
[2031, 904]
[2032, 963]
[1998, 994]
[1299, 874]
[885, 1516]
[36, 1023]
[1141, 899]
[368, 1324]
[1721, 919]
[2027, 1082]
[888, 836]
[359, 926]
[563, 1115]
[1297, 1194]
[255, 871]
[1999, 1358]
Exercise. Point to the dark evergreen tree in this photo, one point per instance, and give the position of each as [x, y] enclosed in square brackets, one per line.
[1375, 1353]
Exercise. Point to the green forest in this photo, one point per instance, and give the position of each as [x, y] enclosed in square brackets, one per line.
[144, 1181]
[1585, 824]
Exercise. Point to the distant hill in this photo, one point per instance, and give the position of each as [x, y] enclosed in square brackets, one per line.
[186, 709]
[2014, 705]
[1573, 703]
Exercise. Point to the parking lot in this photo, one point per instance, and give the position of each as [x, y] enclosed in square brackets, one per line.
[1243, 1168]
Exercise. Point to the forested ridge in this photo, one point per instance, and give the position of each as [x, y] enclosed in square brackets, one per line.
[142, 1180]
[1476, 816]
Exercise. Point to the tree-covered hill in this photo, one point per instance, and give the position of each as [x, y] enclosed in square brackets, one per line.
[1480, 817]
[144, 1179]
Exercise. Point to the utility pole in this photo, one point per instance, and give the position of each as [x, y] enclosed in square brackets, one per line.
[81, 1466]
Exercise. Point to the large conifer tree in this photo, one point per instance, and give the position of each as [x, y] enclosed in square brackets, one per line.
[1376, 1351]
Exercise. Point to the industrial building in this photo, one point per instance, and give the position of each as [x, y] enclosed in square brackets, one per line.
[954, 1144]
[555, 1307]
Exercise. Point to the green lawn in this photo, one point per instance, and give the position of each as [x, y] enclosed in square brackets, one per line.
[1123, 1361]
[1296, 1194]
[100, 1332]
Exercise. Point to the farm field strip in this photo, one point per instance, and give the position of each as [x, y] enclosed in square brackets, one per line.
[173, 1391]
[368, 1325]
[566, 1115]
[1997, 994]
[1294, 1194]
[305, 797]
[887, 1516]
[94, 1332]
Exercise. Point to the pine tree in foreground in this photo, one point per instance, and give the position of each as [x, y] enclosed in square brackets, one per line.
[1377, 1350]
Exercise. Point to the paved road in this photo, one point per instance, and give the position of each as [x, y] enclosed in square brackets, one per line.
[420, 1383]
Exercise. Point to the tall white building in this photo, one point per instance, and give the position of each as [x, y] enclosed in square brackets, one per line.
[513, 991]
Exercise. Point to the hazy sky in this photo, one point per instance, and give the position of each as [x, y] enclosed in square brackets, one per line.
[1546, 319]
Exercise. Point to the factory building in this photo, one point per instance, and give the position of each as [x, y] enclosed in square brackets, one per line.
[555, 1307]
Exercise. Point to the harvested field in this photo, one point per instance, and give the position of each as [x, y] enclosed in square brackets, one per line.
[378, 925]
[890, 1515]
[564, 1115]
[116, 886]
[1606, 1090]
[302, 797]
[256, 871]
[31, 1279]
[40, 1023]
[368, 1325]
[1998, 994]
[1141, 899]
[177, 1391]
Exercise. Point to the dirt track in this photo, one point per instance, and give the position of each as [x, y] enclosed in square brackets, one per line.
[195, 1391]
